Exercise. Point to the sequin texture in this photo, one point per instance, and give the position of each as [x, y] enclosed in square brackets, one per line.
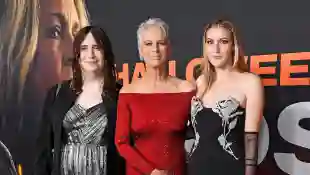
[83, 154]
[154, 127]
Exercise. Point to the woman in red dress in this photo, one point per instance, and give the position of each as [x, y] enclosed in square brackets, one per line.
[153, 111]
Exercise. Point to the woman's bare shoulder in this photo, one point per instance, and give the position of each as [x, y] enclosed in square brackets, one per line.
[131, 87]
[200, 80]
[251, 83]
[251, 79]
[185, 85]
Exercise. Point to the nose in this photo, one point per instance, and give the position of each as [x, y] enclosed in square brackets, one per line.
[67, 56]
[67, 47]
[217, 48]
[155, 47]
[90, 53]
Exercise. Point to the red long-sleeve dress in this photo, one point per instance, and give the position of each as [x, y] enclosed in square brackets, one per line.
[150, 131]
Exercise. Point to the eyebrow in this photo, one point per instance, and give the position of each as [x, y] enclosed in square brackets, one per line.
[64, 23]
[83, 45]
[220, 38]
[163, 40]
[61, 18]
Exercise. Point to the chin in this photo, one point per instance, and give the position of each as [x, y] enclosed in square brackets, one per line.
[219, 66]
[91, 69]
[156, 63]
[218, 63]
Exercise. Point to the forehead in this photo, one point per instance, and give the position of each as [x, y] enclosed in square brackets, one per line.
[65, 9]
[153, 33]
[218, 33]
[63, 6]
[89, 39]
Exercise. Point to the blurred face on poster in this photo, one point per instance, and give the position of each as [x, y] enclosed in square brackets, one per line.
[59, 21]
[36, 45]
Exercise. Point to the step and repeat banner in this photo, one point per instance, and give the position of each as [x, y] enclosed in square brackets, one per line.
[36, 47]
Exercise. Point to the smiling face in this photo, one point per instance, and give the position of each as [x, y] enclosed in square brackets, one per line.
[219, 47]
[154, 46]
[59, 22]
[91, 55]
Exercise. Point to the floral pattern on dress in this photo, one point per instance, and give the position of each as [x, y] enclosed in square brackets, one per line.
[229, 113]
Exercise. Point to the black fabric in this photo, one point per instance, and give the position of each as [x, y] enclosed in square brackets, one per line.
[7, 166]
[209, 157]
[251, 152]
[190, 133]
[44, 143]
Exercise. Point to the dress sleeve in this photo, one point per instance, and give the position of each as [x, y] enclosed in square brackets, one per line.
[44, 142]
[122, 138]
[251, 152]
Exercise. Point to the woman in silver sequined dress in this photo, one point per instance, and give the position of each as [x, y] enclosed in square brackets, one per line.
[77, 132]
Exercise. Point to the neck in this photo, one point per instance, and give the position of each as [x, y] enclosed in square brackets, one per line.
[91, 78]
[156, 74]
[223, 74]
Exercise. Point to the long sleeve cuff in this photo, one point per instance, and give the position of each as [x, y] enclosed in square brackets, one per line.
[251, 152]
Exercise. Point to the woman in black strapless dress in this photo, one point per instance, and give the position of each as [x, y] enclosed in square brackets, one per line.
[227, 109]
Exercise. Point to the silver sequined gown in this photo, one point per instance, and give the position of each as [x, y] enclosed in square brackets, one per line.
[85, 151]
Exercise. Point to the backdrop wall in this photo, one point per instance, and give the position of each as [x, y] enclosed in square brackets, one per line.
[35, 44]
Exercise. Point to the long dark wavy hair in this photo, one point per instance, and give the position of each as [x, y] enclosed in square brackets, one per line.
[108, 71]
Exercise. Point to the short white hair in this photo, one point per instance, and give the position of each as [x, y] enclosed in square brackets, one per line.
[151, 22]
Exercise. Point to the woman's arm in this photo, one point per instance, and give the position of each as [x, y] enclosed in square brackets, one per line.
[254, 114]
[122, 138]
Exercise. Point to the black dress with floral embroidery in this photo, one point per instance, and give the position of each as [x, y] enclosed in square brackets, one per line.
[219, 138]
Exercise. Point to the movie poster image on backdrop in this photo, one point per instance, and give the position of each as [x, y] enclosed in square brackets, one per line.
[36, 50]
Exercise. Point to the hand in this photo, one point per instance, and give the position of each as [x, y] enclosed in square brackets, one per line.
[160, 172]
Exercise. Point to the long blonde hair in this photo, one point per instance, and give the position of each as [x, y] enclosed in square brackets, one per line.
[19, 30]
[207, 69]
